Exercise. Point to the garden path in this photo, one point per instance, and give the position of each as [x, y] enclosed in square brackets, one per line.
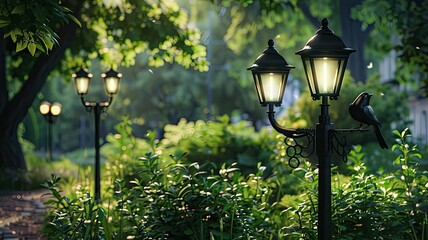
[22, 214]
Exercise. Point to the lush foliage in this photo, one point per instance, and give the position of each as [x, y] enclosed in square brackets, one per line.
[32, 25]
[234, 34]
[160, 195]
[112, 32]
[177, 202]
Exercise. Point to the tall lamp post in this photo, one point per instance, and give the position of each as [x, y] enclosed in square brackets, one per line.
[82, 79]
[324, 59]
[50, 111]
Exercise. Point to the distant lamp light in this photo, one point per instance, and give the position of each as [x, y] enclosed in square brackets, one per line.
[111, 81]
[56, 108]
[44, 107]
[50, 111]
[81, 80]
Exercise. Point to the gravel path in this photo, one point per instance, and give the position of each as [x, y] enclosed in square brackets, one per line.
[22, 214]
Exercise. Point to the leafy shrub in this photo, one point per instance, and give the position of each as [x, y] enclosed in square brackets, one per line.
[218, 142]
[160, 196]
[183, 201]
[122, 151]
[180, 201]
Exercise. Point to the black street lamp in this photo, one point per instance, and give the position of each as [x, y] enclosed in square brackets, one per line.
[50, 111]
[111, 82]
[324, 59]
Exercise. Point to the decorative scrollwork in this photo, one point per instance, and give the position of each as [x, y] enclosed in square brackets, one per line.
[300, 147]
[339, 143]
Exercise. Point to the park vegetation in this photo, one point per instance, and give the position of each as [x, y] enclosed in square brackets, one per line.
[239, 189]
[185, 150]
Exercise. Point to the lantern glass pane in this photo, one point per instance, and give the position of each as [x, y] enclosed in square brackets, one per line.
[340, 71]
[309, 76]
[82, 85]
[272, 86]
[257, 82]
[326, 70]
[111, 84]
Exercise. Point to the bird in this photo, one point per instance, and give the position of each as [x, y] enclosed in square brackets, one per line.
[361, 111]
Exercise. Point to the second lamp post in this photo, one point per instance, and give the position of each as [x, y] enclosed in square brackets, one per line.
[111, 82]
[324, 59]
[50, 111]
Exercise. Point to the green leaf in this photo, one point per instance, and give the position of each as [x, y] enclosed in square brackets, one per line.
[18, 9]
[32, 48]
[3, 22]
[48, 43]
[21, 45]
[74, 19]
[188, 232]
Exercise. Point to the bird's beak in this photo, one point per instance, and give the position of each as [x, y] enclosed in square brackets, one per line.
[370, 94]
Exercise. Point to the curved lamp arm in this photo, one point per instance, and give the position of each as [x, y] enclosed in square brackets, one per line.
[89, 105]
[288, 132]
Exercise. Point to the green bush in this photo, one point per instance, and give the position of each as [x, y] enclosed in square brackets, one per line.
[180, 201]
[218, 142]
[215, 142]
[168, 194]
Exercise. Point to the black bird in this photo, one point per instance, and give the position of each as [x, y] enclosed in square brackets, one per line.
[362, 112]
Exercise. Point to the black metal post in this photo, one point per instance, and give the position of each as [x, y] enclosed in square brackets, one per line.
[50, 122]
[97, 113]
[324, 153]
[81, 78]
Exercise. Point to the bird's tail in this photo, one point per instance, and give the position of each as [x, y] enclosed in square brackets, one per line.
[381, 140]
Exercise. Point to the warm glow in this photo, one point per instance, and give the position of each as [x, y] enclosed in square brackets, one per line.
[56, 109]
[326, 74]
[44, 108]
[272, 85]
[111, 84]
[82, 85]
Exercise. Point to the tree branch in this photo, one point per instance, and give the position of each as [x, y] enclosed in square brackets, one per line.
[369, 29]
[307, 12]
[18, 107]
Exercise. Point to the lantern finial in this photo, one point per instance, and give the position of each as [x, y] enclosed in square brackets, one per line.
[324, 22]
[324, 27]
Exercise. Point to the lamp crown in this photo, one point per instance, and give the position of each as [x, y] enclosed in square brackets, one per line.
[111, 73]
[270, 59]
[325, 41]
[82, 73]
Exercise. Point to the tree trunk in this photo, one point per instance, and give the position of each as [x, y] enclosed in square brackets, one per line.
[11, 156]
[13, 111]
[354, 36]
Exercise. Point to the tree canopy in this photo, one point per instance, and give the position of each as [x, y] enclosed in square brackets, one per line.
[73, 33]
[51, 39]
